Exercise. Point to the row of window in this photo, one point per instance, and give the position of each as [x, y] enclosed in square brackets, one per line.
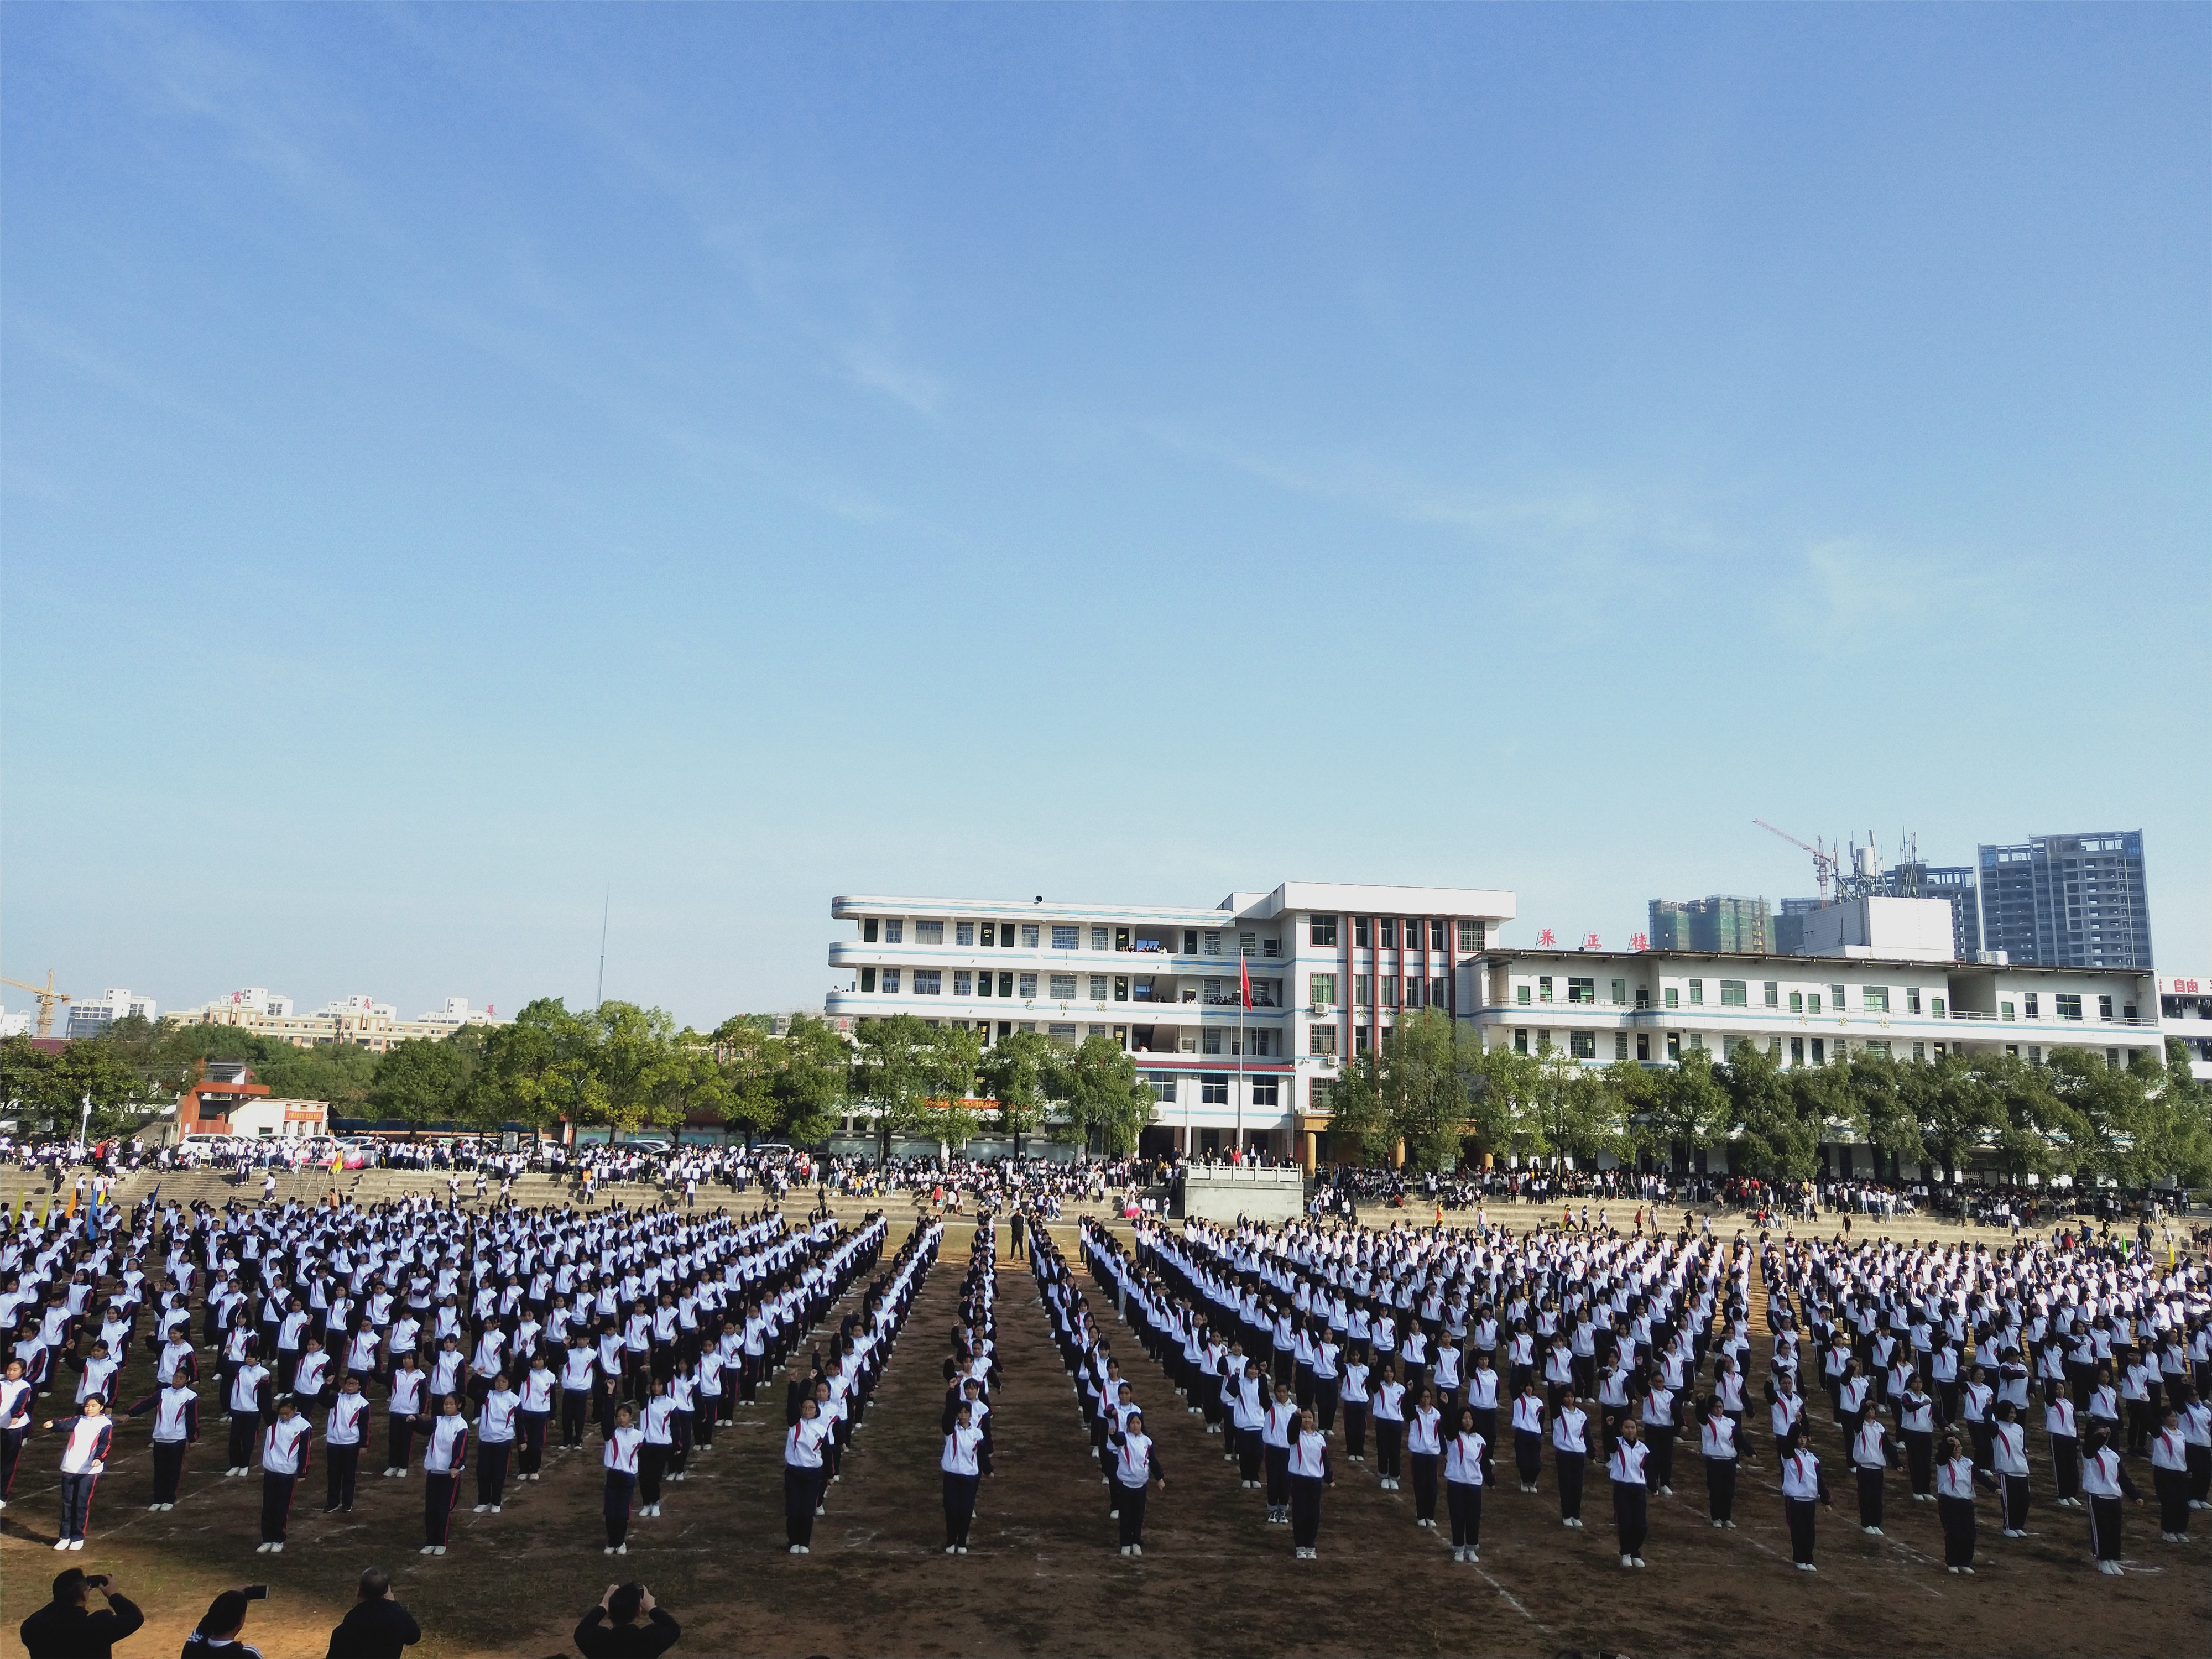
[1381, 990]
[1736, 993]
[1419, 933]
[1064, 988]
[1066, 936]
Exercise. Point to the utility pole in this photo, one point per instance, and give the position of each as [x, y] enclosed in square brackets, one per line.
[600, 998]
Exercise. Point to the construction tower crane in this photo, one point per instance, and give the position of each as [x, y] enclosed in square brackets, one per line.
[47, 997]
[1824, 861]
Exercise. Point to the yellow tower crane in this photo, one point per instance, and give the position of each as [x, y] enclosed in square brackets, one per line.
[47, 997]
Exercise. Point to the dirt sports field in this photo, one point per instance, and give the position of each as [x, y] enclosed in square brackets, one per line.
[1044, 1576]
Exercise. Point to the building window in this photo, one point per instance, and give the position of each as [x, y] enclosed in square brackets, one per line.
[1412, 991]
[1065, 938]
[1519, 1041]
[1920, 1051]
[1361, 936]
[1471, 935]
[1936, 1006]
[2069, 1006]
[895, 931]
[1582, 1045]
[1543, 987]
[1697, 993]
[1100, 939]
[929, 933]
[963, 933]
[1674, 997]
[1321, 930]
[1322, 1039]
[960, 983]
[1773, 1048]
[1436, 934]
[891, 981]
[1698, 1040]
[1875, 998]
[1214, 944]
[1643, 1045]
[1582, 990]
[1812, 1002]
[1735, 993]
[1006, 983]
[1028, 985]
[1265, 1091]
[1362, 995]
[868, 979]
[1213, 1088]
[1064, 1034]
[1620, 1045]
[1619, 991]
[1360, 1040]
[2030, 1000]
[1063, 987]
[1321, 990]
[928, 982]
[1390, 927]
[1209, 1040]
[1387, 986]
[2035, 1054]
[1879, 1045]
[1773, 995]
[1437, 997]
[1120, 987]
[1097, 988]
[1521, 995]
[1836, 997]
[1819, 1052]
[1912, 998]
[1190, 941]
[868, 929]
[991, 932]
[1796, 1002]
[2103, 1007]
[1674, 1045]
[1796, 1051]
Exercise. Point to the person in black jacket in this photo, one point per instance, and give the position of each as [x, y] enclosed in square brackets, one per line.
[376, 1626]
[611, 1630]
[66, 1628]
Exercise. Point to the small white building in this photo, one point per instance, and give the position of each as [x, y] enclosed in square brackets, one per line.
[1893, 929]
[263, 1118]
[2185, 1012]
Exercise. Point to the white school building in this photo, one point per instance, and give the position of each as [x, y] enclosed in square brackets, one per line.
[1332, 965]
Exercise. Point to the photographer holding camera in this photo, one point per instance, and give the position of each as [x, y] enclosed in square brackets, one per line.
[621, 1636]
[216, 1636]
[376, 1626]
[66, 1628]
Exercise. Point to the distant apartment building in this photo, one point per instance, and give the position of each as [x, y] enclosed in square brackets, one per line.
[89, 1018]
[2075, 901]
[360, 1021]
[1719, 922]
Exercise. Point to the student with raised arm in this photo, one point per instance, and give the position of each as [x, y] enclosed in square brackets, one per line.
[619, 1458]
[1136, 1466]
[802, 1475]
[1463, 1477]
[1716, 1432]
[1630, 1496]
[286, 1445]
[1309, 1473]
[1803, 1487]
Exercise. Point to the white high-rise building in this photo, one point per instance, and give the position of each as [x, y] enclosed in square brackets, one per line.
[1329, 966]
[90, 1017]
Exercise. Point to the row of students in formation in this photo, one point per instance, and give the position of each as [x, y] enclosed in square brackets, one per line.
[1642, 1402]
[972, 1372]
[784, 1280]
[824, 1407]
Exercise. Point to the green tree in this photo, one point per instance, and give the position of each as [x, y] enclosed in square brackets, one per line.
[421, 1081]
[812, 1061]
[1104, 1099]
[1576, 1113]
[1509, 1104]
[535, 1069]
[1954, 1108]
[1358, 1122]
[891, 1073]
[1689, 1108]
[633, 1067]
[1430, 1062]
[1779, 1144]
[1013, 1073]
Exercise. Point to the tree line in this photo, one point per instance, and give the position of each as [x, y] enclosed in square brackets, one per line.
[1434, 1091]
[617, 1066]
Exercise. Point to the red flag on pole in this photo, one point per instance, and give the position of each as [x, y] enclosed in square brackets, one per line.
[1244, 978]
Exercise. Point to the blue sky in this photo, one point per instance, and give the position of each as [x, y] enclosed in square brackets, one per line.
[458, 463]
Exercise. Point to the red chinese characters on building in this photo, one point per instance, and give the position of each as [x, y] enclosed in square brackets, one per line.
[1546, 939]
[1589, 942]
[1639, 941]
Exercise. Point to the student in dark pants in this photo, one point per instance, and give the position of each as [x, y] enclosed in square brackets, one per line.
[1136, 1467]
[1803, 1486]
[803, 1475]
[620, 1459]
[964, 1462]
[1308, 1473]
[1954, 1503]
[1569, 1456]
[1630, 1495]
[1716, 1441]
